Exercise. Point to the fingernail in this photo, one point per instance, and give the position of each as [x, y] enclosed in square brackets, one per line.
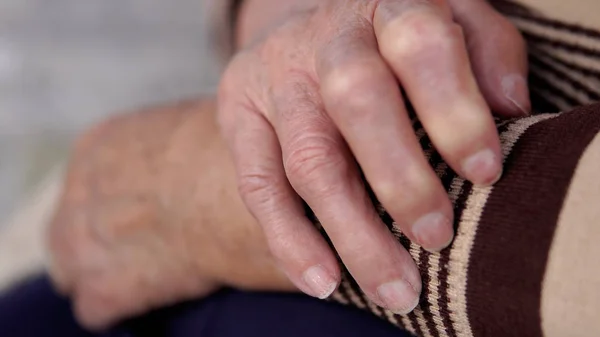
[433, 231]
[483, 168]
[320, 282]
[516, 91]
[398, 296]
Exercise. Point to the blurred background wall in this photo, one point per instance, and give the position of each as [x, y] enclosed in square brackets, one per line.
[65, 64]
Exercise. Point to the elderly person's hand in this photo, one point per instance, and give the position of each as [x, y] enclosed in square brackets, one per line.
[150, 216]
[317, 85]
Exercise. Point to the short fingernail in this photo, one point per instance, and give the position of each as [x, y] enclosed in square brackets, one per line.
[398, 296]
[483, 168]
[433, 231]
[516, 91]
[320, 282]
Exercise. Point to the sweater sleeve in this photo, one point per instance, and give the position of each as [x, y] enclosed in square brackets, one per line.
[219, 16]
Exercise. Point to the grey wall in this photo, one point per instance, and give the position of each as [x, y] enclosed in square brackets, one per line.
[65, 64]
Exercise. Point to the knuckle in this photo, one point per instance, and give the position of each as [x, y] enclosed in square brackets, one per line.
[421, 33]
[257, 186]
[391, 192]
[406, 190]
[116, 223]
[313, 158]
[350, 80]
[283, 248]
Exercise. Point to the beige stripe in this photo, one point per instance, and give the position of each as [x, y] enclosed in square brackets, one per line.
[565, 55]
[375, 309]
[434, 295]
[531, 26]
[583, 12]
[407, 323]
[467, 229]
[441, 170]
[456, 189]
[415, 252]
[434, 269]
[592, 82]
[390, 315]
[356, 300]
[570, 292]
[338, 297]
[422, 322]
[392, 319]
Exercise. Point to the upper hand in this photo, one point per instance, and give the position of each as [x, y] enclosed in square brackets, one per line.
[300, 104]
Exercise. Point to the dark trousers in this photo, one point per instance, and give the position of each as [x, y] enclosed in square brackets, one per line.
[33, 309]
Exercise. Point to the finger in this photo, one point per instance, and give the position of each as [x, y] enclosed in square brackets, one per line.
[299, 248]
[322, 171]
[56, 244]
[427, 52]
[498, 56]
[70, 245]
[363, 98]
[128, 286]
[96, 307]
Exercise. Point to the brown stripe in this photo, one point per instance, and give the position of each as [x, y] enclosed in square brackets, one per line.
[412, 316]
[591, 93]
[539, 103]
[461, 250]
[511, 7]
[420, 325]
[537, 81]
[424, 308]
[556, 24]
[435, 160]
[428, 273]
[561, 84]
[409, 318]
[340, 295]
[572, 66]
[570, 47]
[514, 235]
[454, 184]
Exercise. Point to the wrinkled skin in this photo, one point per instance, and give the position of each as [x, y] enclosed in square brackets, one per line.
[152, 214]
[314, 88]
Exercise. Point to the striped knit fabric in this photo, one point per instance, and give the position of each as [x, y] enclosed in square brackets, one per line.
[490, 282]
[523, 262]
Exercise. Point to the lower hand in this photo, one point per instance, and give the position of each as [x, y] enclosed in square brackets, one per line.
[150, 216]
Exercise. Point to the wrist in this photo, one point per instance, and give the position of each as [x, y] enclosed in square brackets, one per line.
[256, 17]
